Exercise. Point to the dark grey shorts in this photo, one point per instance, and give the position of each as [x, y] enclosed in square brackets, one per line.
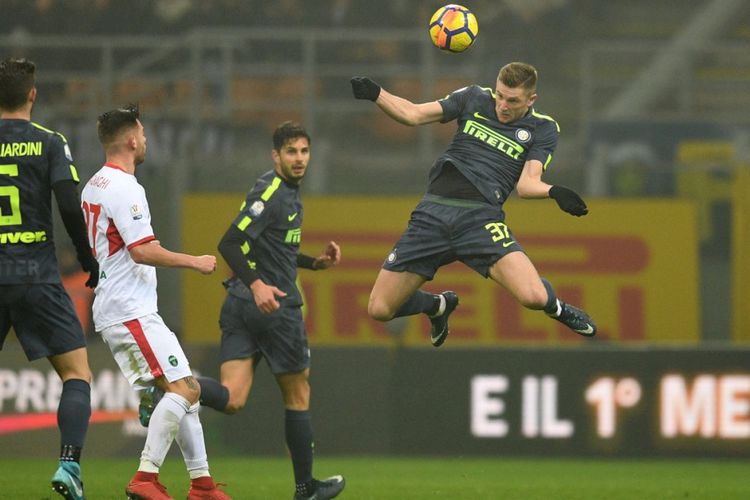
[43, 317]
[443, 230]
[278, 337]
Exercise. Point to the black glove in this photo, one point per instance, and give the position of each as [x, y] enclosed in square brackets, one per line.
[568, 200]
[364, 88]
[91, 266]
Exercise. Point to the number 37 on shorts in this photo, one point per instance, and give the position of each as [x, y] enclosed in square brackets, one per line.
[500, 233]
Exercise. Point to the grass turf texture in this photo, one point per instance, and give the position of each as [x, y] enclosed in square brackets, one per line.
[414, 478]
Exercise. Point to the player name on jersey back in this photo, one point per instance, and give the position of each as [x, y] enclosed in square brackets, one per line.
[16, 149]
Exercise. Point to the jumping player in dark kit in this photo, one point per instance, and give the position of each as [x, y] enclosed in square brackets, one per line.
[501, 143]
[34, 162]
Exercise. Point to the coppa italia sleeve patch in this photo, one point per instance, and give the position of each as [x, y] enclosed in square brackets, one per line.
[256, 208]
[135, 212]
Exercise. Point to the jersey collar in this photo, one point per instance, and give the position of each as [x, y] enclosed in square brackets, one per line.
[116, 167]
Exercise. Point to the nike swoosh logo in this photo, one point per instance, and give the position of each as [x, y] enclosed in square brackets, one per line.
[588, 331]
[292, 217]
[477, 115]
[508, 243]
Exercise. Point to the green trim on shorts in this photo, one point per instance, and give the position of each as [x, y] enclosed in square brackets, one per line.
[455, 202]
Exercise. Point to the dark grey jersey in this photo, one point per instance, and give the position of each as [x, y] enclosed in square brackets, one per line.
[32, 159]
[490, 154]
[271, 218]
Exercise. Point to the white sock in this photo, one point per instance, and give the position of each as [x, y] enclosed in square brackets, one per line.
[164, 425]
[441, 307]
[191, 443]
[558, 311]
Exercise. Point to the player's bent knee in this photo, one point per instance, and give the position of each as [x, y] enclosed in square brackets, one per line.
[533, 300]
[188, 390]
[234, 406]
[379, 311]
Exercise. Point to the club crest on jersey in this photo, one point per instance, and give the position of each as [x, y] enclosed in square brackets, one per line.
[523, 135]
[172, 360]
[391, 257]
[257, 208]
[135, 212]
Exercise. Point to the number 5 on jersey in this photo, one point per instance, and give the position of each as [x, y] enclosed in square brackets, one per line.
[14, 194]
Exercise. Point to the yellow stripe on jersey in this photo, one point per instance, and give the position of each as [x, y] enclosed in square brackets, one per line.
[549, 159]
[245, 248]
[271, 189]
[244, 223]
[489, 90]
[546, 117]
[50, 131]
[74, 173]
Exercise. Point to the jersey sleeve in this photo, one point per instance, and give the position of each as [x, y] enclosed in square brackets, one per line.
[61, 160]
[131, 216]
[454, 103]
[545, 142]
[256, 213]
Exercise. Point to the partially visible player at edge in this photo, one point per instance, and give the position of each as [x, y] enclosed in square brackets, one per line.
[261, 316]
[501, 143]
[34, 162]
[125, 307]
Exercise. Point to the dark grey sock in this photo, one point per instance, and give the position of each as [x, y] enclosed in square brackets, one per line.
[213, 394]
[419, 302]
[299, 440]
[551, 306]
[73, 415]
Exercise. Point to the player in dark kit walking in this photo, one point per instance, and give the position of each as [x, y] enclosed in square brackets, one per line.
[34, 162]
[501, 143]
[261, 316]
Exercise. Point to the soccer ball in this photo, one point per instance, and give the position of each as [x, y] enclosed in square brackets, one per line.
[453, 27]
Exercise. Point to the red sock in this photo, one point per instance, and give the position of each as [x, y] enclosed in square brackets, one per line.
[146, 477]
[203, 483]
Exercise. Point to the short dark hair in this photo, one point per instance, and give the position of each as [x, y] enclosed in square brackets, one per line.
[16, 80]
[111, 123]
[518, 74]
[287, 131]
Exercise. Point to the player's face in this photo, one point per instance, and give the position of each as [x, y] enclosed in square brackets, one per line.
[512, 104]
[140, 144]
[291, 161]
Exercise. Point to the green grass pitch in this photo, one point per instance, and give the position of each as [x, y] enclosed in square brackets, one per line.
[371, 478]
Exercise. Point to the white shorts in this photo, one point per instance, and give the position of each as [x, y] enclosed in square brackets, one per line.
[145, 349]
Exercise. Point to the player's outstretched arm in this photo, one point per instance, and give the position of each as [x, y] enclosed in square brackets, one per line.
[69, 204]
[330, 256]
[531, 185]
[400, 109]
[568, 200]
[153, 254]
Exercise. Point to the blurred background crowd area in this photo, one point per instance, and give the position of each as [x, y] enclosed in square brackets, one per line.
[227, 71]
[652, 97]
[176, 16]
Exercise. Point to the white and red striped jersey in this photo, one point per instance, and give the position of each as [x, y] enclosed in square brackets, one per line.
[118, 219]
